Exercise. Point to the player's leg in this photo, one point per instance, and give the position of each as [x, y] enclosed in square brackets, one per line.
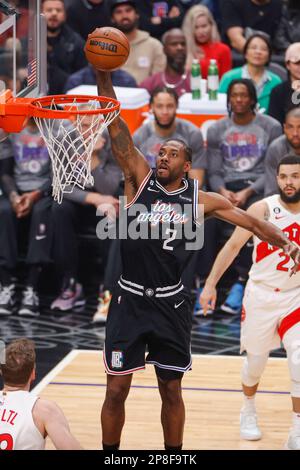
[8, 256]
[259, 336]
[170, 353]
[172, 409]
[66, 219]
[291, 342]
[39, 254]
[123, 354]
[113, 410]
[252, 370]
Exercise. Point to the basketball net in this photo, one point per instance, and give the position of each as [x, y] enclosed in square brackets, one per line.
[71, 142]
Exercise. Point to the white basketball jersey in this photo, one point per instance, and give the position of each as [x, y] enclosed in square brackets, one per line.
[17, 428]
[271, 266]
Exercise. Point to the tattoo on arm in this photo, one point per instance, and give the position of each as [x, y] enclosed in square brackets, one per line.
[122, 142]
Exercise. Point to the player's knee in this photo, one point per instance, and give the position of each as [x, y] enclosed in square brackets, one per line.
[295, 388]
[170, 392]
[291, 341]
[293, 355]
[253, 368]
[116, 394]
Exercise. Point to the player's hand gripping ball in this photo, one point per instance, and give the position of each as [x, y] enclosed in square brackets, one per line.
[107, 48]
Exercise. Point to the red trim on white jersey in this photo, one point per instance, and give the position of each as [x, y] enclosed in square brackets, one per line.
[288, 322]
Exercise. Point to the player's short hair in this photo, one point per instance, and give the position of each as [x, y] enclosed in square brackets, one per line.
[19, 362]
[288, 159]
[163, 89]
[295, 112]
[251, 90]
[187, 150]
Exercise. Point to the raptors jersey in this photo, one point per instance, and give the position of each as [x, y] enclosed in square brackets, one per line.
[271, 266]
[17, 428]
[162, 233]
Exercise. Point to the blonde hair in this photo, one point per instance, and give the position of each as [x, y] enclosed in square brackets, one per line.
[188, 29]
[19, 362]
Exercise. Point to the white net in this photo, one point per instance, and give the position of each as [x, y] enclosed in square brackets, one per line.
[71, 144]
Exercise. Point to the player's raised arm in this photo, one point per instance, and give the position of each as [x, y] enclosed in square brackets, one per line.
[226, 257]
[219, 207]
[132, 162]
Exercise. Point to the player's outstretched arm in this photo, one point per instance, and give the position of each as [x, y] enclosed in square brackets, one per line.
[226, 257]
[49, 417]
[132, 162]
[219, 207]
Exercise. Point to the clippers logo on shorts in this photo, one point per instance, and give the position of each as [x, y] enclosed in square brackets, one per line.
[117, 360]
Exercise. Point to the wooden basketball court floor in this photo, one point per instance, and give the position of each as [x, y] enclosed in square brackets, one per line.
[211, 393]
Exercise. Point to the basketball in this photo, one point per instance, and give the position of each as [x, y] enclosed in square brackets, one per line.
[107, 48]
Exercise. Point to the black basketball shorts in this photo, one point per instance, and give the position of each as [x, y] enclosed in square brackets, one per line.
[161, 326]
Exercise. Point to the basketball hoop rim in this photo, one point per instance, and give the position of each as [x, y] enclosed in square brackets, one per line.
[38, 106]
[15, 111]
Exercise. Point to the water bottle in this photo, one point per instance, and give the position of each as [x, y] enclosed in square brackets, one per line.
[196, 80]
[213, 80]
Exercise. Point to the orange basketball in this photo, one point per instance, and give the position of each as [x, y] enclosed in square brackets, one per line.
[107, 48]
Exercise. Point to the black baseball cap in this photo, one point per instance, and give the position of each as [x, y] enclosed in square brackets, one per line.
[114, 3]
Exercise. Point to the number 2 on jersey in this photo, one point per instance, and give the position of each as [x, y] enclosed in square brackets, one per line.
[172, 237]
[281, 266]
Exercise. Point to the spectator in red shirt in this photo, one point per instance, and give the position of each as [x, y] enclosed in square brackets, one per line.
[203, 40]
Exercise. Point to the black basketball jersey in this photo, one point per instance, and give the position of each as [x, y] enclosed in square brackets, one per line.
[161, 229]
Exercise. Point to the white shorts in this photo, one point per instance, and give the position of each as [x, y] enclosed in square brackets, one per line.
[266, 315]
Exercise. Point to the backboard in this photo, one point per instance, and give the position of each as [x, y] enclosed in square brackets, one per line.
[23, 50]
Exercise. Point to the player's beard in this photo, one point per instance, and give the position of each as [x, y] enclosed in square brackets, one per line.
[168, 125]
[165, 180]
[290, 199]
[127, 27]
[55, 29]
[177, 65]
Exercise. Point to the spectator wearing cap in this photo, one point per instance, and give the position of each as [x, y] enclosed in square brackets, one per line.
[146, 55]
[257, 53]
[286, 96]
[86, 15]
[174, 76]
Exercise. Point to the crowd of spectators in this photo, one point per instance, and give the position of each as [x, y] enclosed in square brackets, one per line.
[256, 44]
